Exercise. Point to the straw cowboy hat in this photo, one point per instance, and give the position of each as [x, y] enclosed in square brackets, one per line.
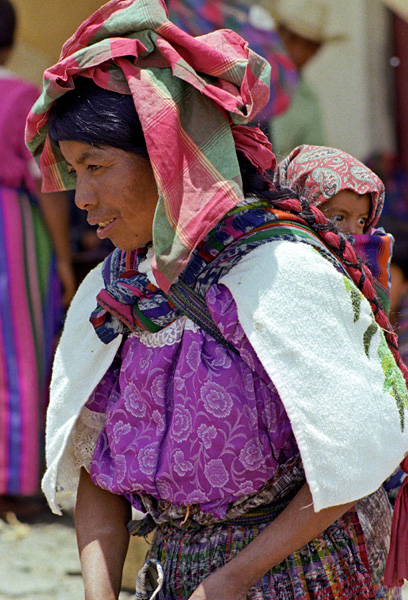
[399, 6]
[316, 20]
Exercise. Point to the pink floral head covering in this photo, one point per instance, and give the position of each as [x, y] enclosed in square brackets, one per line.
[319, 173]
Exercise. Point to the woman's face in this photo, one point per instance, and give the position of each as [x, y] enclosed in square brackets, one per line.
[117, 189]
[349, 210]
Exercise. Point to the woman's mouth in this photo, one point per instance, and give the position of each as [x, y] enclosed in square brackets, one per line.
[104, 228]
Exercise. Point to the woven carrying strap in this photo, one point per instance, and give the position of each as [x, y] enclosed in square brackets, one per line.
[195, 307]
[193, 304]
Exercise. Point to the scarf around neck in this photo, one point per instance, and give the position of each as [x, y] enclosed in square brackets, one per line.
[131, 300]
[187, 93]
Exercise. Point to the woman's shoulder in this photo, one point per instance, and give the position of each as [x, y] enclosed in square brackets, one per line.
[290, 259]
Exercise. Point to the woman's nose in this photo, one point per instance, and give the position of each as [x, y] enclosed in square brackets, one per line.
[84, 195]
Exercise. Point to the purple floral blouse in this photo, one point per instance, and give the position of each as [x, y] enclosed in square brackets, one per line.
[187, 421]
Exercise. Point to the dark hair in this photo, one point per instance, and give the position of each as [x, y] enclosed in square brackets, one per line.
[91, 114]
[7, 23]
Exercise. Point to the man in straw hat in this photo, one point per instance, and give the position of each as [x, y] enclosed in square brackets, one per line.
[304, 26]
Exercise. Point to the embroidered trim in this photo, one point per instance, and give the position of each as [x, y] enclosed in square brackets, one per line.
[87, 431]
[168, 336]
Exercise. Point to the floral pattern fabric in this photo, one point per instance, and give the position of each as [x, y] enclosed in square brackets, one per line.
[320, 172]
[187, 420]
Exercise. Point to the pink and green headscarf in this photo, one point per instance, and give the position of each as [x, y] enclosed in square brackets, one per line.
[189, 93]
[320, 172]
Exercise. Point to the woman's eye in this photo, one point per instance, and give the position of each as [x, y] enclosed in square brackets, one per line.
[93, 167]
[72, 172]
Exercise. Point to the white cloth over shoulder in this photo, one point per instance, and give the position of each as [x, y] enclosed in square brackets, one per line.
[315, 335]
[81, 360]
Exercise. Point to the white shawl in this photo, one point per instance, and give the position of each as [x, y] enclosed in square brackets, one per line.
[298, 314]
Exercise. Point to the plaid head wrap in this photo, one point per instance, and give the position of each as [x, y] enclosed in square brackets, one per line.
[319, 172]
[187, 92]
[255, 25]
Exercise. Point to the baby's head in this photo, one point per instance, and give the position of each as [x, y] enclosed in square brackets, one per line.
[344, 189]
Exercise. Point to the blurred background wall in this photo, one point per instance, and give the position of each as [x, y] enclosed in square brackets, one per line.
[354, 80]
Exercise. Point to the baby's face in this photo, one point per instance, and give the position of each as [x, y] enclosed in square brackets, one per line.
[349, 210]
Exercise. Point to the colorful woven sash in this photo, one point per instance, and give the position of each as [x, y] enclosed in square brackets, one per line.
[130, 301]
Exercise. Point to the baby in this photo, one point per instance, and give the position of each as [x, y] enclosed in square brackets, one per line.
[352, 196]
[349, 194]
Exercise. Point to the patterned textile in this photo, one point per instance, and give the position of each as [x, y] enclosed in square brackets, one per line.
[28, 323]
[150, 581]
[256, 507]
[375, 250]
[183, 217]
[16, 163]
[28, 300]
[333, 565]
[199, 17]
[319, 172]
[201, 425]
[122, 306]
[130, 301]
[242, 523]
[393, 484]
[190, 391]
[375, 514]
[218, 74]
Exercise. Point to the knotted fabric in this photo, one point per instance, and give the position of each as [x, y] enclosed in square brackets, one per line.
[256, 147]
[187, 92]
[396, 568]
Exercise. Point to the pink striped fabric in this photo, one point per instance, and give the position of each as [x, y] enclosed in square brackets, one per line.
[130, 46]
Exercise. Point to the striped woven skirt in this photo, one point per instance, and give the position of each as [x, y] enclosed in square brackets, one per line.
[29, 301]
[334, 565]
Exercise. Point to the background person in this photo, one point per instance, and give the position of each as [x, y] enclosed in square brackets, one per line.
[32, 228]
[254, 23]
[304, 26]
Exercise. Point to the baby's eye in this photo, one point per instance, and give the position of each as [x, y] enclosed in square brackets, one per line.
[337, 218]
[362, 221]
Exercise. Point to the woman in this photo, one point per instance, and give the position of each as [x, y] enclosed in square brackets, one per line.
[230, 428]
[32, 227]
